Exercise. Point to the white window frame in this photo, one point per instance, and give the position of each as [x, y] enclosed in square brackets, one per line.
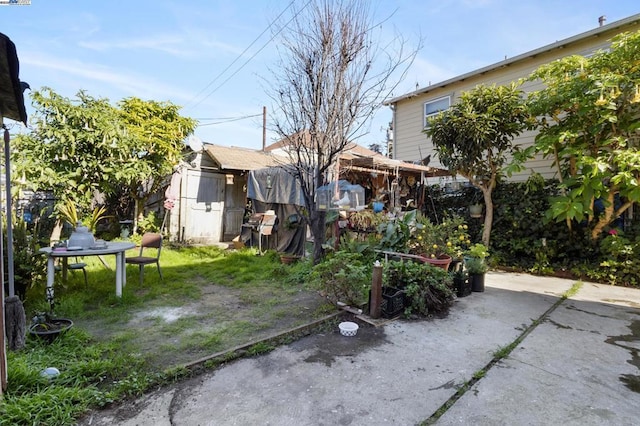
[433, 101]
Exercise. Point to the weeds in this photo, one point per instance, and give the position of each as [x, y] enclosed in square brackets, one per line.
[504, 351]
[573, 290]
[86, 370]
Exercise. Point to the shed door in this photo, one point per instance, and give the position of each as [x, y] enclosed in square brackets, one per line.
[235, 203]
[205, 202]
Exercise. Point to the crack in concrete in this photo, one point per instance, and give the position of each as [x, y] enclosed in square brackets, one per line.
[495, 361]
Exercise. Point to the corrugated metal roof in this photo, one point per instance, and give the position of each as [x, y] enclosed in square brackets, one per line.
[362, 158]
[236, 158]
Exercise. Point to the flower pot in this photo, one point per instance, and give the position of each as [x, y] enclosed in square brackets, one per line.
[288, 259]
[477, 282]
[378, 206]
[51, 329]
[462, 286]
[81, 237]
[475, 210]
[443, 261]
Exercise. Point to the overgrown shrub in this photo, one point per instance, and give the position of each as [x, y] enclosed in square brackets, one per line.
[523, 237]
[619, 265]
[429, 289]
[149, 223]
[395, 234]
[343, 277]
[29, 266]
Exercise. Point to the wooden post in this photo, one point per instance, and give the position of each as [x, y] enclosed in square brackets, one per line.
[3, 344]
[375, 305]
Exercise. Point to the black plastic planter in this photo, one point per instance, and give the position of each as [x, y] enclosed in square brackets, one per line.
[477, 282]
[51, 329]
[463, 286]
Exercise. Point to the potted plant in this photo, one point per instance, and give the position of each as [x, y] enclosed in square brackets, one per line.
[461, 281]
[475, 210]
[440, 243]
[288, 258]
[476, 267]
[416, 289]
[378, 203]
[479, 251]
[46, 326]
[365, 220]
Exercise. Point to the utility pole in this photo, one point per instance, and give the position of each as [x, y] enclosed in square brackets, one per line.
[264, 127]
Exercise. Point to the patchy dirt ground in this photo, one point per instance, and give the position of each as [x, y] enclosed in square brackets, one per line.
[222, 318]
[324, 347]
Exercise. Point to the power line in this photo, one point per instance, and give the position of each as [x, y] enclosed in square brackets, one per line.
[236, 60]
[254, 55]
[228, 120]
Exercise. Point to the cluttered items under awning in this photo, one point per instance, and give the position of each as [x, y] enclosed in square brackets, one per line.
[273, 220]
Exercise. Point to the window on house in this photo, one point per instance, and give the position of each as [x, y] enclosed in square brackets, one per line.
[433, 107]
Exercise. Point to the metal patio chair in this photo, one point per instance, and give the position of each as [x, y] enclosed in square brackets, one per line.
[150, 241]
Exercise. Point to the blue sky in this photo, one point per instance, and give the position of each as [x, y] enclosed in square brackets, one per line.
[215, 58]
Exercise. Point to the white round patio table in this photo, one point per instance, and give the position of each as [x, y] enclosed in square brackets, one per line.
[116, 248]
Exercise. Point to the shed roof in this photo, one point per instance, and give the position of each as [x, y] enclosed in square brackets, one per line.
[236, 158]
[359, 157]
[354, 156]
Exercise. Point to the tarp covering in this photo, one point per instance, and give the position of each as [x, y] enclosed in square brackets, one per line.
[11, 97]
[274, 185]
[273, 188]
[283, 238]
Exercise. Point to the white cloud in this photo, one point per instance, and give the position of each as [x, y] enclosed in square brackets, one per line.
[122, 83]
[190, 44]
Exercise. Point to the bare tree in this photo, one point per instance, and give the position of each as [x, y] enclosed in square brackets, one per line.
[332, 76]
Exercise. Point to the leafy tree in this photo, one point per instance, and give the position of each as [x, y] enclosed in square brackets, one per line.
[588, 123]
[84, 147]
[331, 77]
[474, 138]
[156, 132]
[74, 149]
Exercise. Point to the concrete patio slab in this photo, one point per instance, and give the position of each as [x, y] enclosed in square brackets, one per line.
[576, 364]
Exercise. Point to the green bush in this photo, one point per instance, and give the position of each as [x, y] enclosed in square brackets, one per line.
[428, 289]
[149, 223]
[30, 266]
[343, 277]
[619, 264]
[524, 239]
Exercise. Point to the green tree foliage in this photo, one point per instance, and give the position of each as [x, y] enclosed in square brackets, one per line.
[157, 132]
[85, 146]
[474, 138]
[588, 123]
[74, 149]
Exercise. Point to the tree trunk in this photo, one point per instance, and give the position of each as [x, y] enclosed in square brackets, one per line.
[318, 231]
[488, 216]
[610, 213]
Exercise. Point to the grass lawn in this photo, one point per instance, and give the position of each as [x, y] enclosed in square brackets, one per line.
[211, 300]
